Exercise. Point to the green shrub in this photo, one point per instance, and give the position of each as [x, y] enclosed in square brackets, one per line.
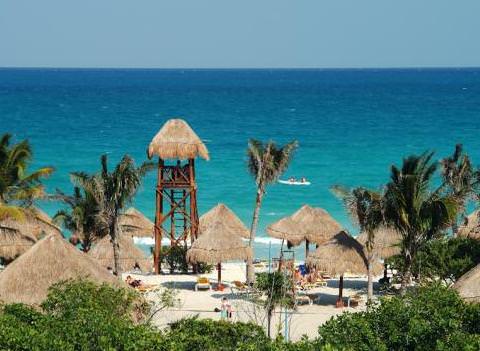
[425, 319]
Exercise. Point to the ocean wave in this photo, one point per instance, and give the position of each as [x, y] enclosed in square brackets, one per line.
[166, 241]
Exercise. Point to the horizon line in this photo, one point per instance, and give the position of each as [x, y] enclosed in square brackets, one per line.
[237, 68]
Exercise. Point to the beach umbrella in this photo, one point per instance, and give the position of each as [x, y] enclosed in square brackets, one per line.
[217, 244]
[221, 213]
[468, 286]
[129, 254]
[51, 260]
[15, 239]
[471, 227]
[134, 223]
[177, 140]
[17, 236]
[341, 254]
[386, 244]
[308, 224]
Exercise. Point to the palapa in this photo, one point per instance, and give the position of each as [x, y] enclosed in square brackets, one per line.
[307, 224]
[129, 254]
[17, 236]
[468, 286]
[471, 227]
[14, 239]
[221, 213]
[386, 242]
[134, 223]
[177, 140]
[217, 244]
[340, 255]
[49, 261]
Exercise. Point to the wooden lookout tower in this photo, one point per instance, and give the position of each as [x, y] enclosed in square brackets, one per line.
[176, 216]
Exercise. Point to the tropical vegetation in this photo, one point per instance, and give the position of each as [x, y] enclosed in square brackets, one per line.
[19, 186]
[266, 163]
[113, 191]
[415, 209]
[366, 209]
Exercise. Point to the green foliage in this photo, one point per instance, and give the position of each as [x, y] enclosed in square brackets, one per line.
[426, 319]
[206, 335]
[418, 212]
[78, 315]
[278, 288]
[81, 216]
[112, 190]
[175, 258]
[447, 259]
[18, 187]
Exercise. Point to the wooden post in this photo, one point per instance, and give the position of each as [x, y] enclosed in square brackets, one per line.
[307, 243]
[340, 292]
[158, 218]
[219, 268]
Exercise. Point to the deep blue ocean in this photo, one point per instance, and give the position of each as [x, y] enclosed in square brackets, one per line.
[351, 125]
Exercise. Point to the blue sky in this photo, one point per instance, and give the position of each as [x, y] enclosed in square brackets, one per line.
[242, 33]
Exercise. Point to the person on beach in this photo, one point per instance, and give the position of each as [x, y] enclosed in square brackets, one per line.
[225, 309]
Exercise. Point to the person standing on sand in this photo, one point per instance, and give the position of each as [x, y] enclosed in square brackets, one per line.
[225, 309]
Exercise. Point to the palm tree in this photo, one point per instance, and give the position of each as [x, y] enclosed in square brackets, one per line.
[18, 187]
[278, 288]
[414, 210]
[365, 208]
[266, 163]
[112, 192]
[81, 217]
[459, 179]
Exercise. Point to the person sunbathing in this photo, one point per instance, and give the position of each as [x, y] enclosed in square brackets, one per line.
[134, 283]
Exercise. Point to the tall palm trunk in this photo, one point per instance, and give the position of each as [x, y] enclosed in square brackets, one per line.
[406, 274]
[370, 277]
[253, 231]
[269, 321]
[116, 247]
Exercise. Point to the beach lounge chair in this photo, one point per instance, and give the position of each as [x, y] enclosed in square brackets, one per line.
[301, 299]
[203, 283]
[354, 301]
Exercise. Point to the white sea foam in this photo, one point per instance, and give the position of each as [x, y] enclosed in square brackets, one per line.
[166, 241]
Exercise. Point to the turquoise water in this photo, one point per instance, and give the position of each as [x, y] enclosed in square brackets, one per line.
[351, 125]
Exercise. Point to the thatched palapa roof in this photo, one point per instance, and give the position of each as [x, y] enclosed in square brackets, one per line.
[222, 213]
[218, 243]
[17, 236]
[13, 240]
[468, 286]
[134, 223]
[308, 223]
[471, 227]
[342, 254]
[177, 140]
[50, 260]
[129, 254]
[386, 242]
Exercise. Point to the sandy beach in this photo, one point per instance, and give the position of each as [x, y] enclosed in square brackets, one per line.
[305, 320]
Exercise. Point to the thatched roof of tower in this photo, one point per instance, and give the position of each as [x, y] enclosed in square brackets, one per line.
[468, 286]
[221, 213]
[386, 242]
[177, 140]
[471, 228]
[308, 223]
[218, 243]
[342, 254]
[129, 254]
[50, 260]
[134, 223]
